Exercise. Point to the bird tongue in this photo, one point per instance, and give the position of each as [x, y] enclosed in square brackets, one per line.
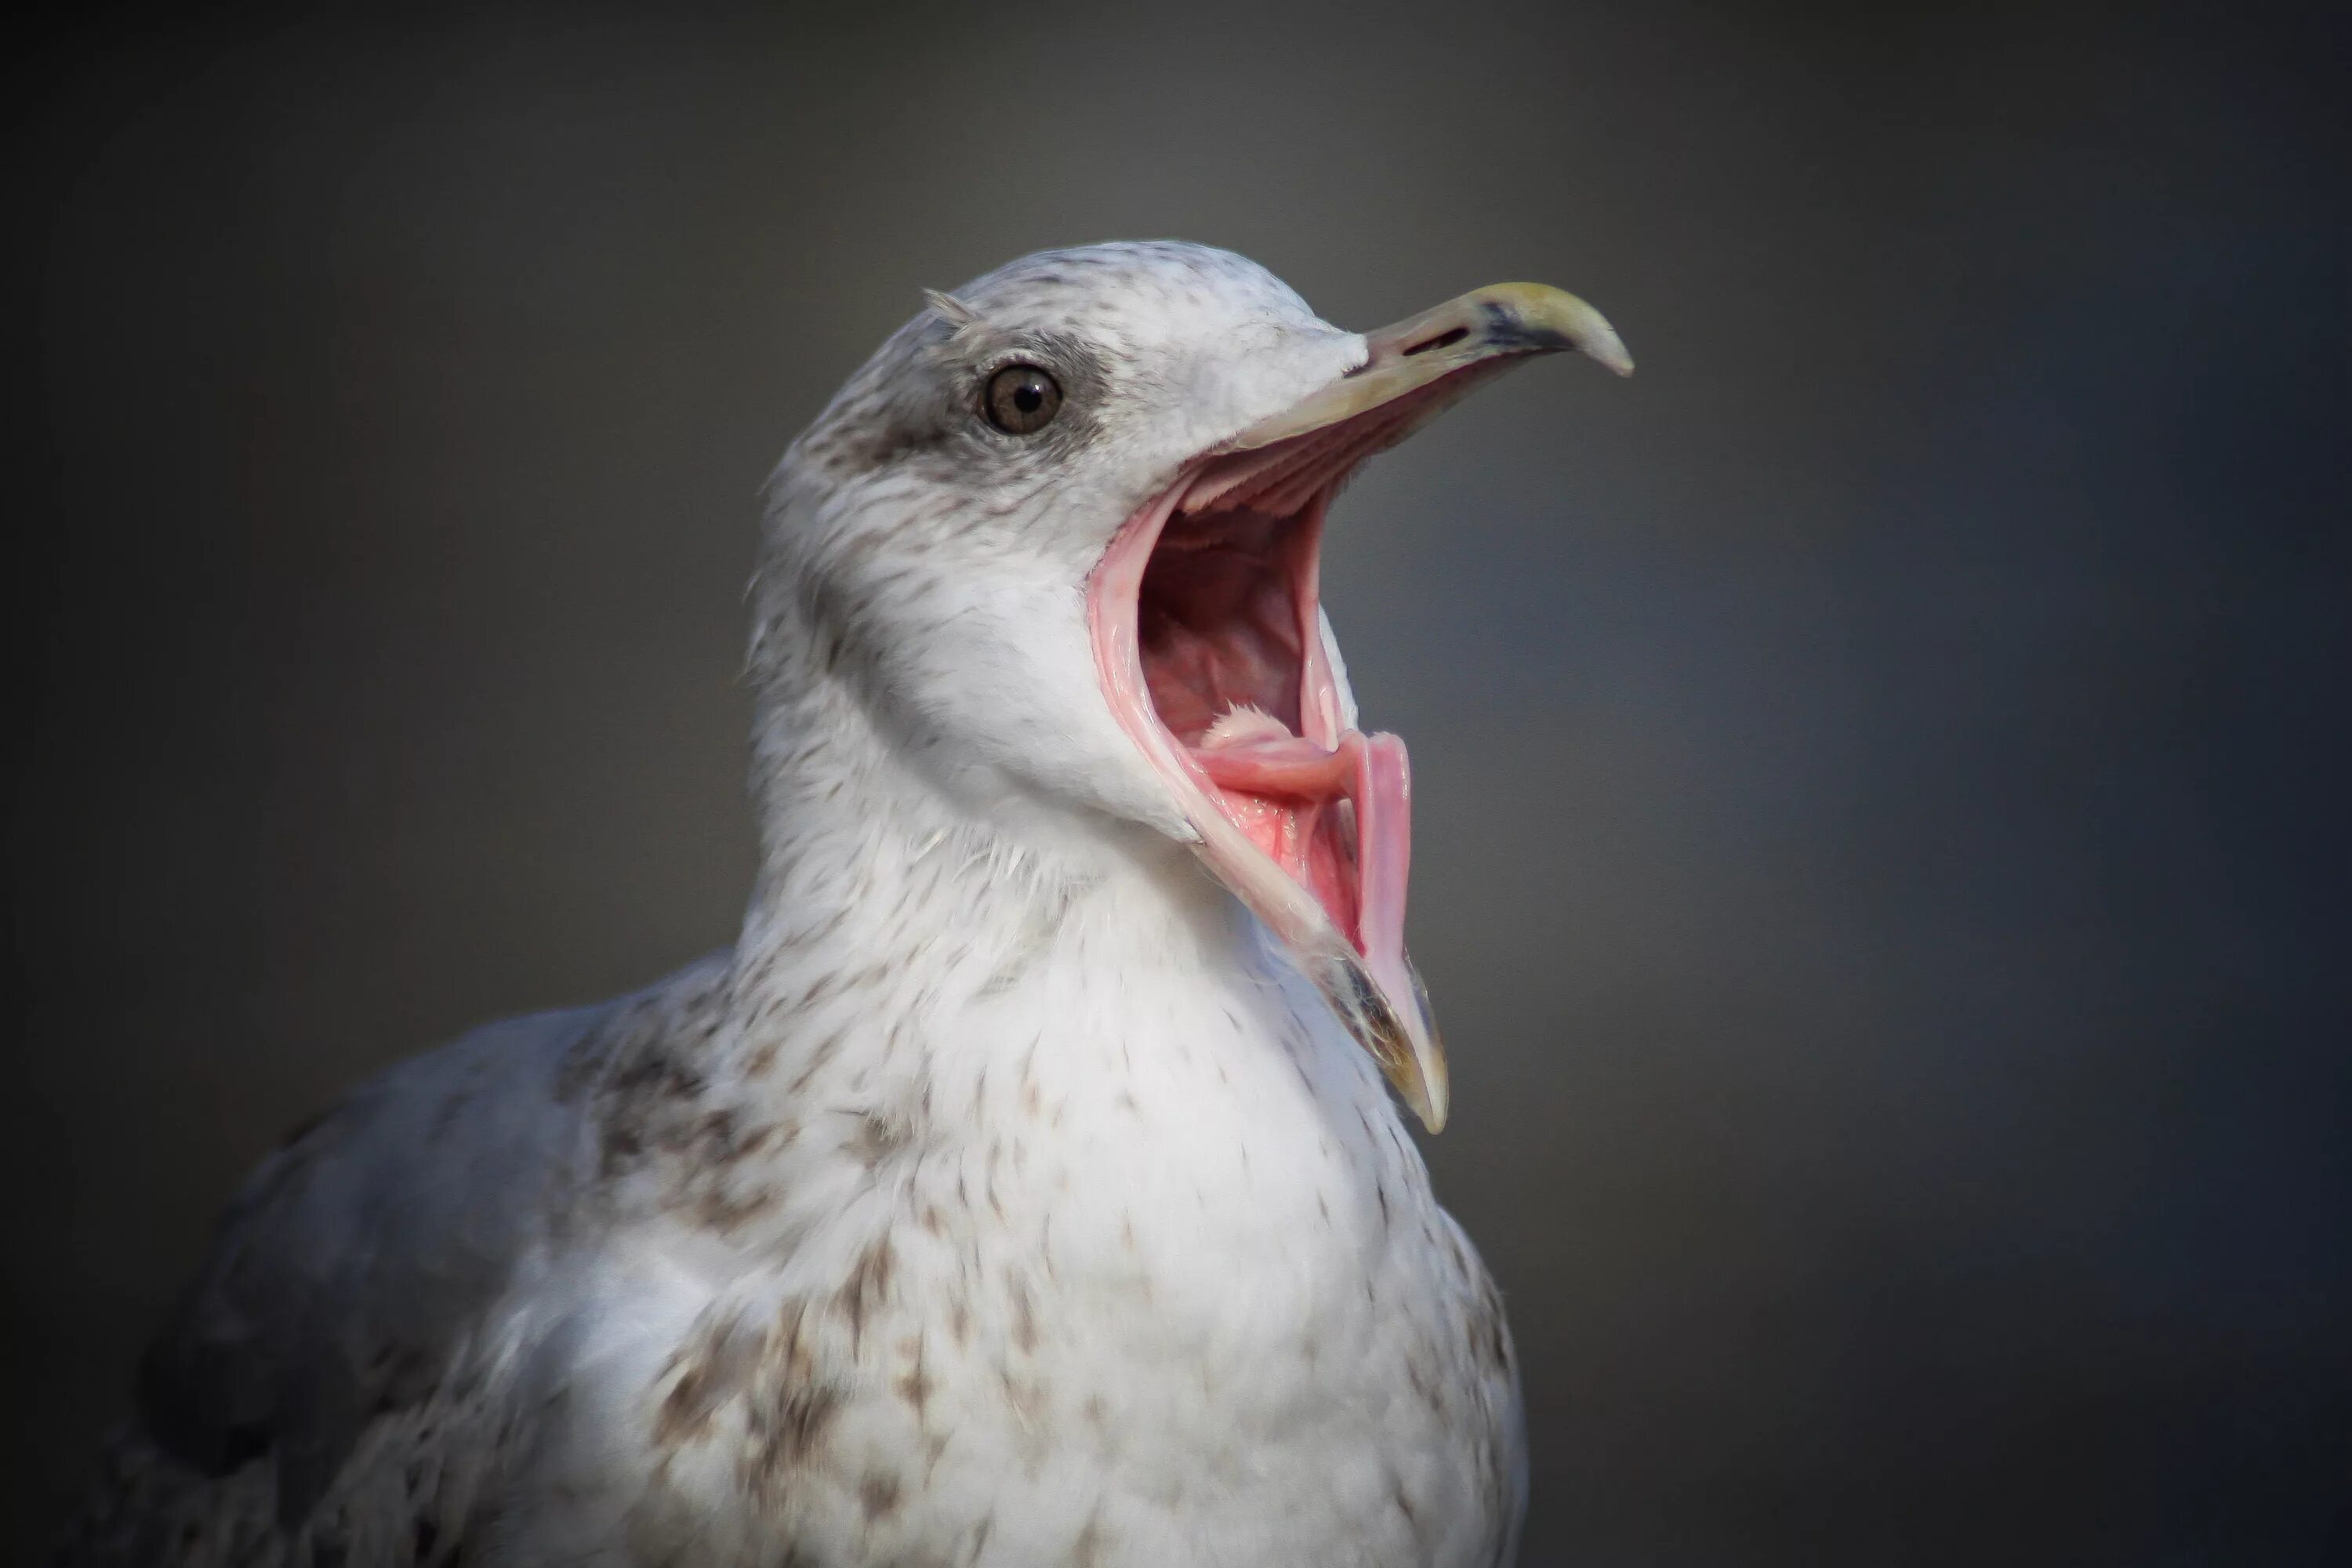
[1337, 821]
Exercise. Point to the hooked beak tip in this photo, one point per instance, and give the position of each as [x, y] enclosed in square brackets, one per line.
[1417, 366]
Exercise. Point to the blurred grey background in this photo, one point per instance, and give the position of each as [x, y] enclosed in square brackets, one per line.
[1882, 853]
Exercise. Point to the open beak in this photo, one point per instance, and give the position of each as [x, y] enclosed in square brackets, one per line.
[1208, 635]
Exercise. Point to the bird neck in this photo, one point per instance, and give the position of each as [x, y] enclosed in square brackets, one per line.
[918, 984]
[923, 890]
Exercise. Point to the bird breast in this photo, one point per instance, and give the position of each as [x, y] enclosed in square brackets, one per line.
[1113, 1268]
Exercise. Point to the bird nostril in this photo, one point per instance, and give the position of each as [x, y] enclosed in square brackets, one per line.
[1443, 340]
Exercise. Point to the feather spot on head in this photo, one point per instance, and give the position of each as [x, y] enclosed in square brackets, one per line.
[965, 327]
[951, 310]
[957, 313]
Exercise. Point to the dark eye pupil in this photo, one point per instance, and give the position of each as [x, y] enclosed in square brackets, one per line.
[1028, 397]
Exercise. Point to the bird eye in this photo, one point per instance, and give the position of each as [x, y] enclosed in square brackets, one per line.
[1023, 399]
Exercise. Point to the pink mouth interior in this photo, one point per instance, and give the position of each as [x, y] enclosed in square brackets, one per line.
[1210, 596]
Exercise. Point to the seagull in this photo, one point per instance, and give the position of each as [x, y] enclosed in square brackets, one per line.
[1025, 1186]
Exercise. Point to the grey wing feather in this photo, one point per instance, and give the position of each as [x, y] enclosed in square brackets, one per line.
[347, 1280]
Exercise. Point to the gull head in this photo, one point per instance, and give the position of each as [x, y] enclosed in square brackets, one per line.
[1060, 539]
